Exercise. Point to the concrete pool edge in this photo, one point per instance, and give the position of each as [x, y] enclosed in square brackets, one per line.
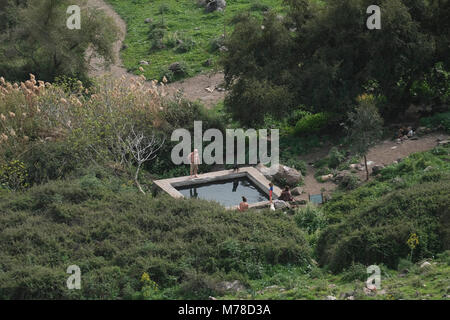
[169, 185]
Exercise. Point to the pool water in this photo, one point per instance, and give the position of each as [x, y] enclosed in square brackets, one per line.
[227, 192]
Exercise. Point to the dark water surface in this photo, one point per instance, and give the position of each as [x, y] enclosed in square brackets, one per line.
[227, 192]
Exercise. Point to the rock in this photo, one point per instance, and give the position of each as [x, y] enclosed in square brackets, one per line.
[376, 169]
[428, 169]
[341, 176]
[297, 191]
[144, 63]
[393, 148]
[196, 28]
[331, 286]
[346, 295]
[397, 180]
[354, 165]
[443, 142]
[212, 298]
[223, 49]
[208, 63]
[326, 177]
[331, 298]
[148, 20]
[351, 298]
[234, 286]
[288, 175]
[424, 265]
[280, 204]
[369, 163]
[215, 5]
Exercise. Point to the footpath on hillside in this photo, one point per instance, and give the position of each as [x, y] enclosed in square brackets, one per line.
[201, 87]
[384, 153]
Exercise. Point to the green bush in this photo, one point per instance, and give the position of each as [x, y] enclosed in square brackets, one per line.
[437, 120]
[377, 232]
[117, 236]
[312, 123]
[310, 218]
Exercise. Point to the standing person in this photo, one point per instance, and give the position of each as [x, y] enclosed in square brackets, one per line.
[270, 192]
[243, 206]
[194, 160]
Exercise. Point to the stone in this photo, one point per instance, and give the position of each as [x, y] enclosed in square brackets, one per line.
[208, 63]
[376, 169]
[326, 177]
[212, 298]
[144, 63]
[223, 49]
[443, 142]
[148, 20]
[341, 175]
[215, 5]
[288, 175]
[175, 67]
[297, 191]
[424, 265]
[331, 286]
[346, 295]
[234, 286]
[280, 204]
[428, 169]
[331, 298]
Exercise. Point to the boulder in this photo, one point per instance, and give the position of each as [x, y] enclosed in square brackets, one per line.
[376, 169]
[297, 191]
[288, 175]
[227, 286]
[215, 5]
[280, 204]
[341, 176]
[424, 265]
[175, 67]
[326, 177]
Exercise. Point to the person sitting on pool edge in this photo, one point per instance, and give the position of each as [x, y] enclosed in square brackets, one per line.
[243, 206]
[286, 195]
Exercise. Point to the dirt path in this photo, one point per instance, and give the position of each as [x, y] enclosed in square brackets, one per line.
[193, 88]
[382, 154]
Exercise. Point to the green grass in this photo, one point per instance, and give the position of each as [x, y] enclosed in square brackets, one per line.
[292, 283]
[183, 18]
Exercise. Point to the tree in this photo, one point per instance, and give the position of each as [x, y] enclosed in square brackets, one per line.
[138, 149]
[39, 41]
[366, 127]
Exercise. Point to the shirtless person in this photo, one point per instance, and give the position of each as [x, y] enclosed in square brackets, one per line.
[194, 160]
[243, 206]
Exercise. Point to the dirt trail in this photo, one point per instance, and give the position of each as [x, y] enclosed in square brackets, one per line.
[193, 88]
[382, 154]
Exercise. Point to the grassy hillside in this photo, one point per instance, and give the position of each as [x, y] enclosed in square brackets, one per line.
[116, 236]
[184, 20]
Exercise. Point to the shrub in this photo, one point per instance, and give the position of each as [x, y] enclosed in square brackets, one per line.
[310, 218]
[437, 120]
[377, 231]
[117, 236]
[312, 123]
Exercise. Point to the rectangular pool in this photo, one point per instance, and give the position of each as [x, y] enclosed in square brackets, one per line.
[227, 192]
